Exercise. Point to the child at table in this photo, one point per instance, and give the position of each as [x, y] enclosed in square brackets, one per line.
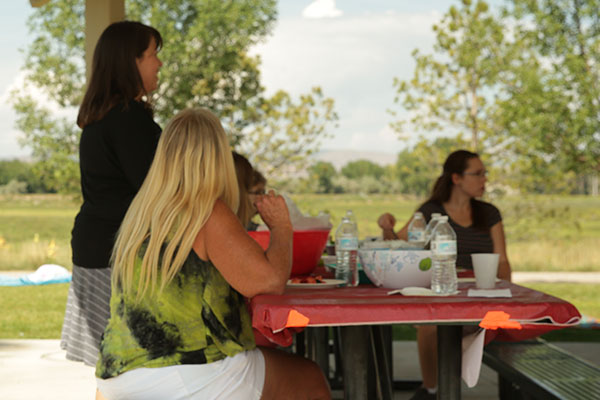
[182, 264]
[478, 227]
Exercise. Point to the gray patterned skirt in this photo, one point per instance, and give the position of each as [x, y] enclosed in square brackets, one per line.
[86, 314]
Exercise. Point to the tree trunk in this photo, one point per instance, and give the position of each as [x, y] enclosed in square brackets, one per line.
[593, 180]
[474, 125]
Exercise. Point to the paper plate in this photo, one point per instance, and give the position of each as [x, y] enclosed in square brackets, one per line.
[327, 283]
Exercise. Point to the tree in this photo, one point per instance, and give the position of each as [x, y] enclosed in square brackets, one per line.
[54, 143]
[206, 64]
[323, 173]
[453, 90]
[418, 167]
[282, 133]
[21, 172]
[551, 112]
[358, 169]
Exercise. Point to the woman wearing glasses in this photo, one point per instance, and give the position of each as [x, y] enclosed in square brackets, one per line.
[478, 227]
[251, 184]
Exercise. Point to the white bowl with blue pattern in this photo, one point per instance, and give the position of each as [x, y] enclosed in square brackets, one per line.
[397, 269]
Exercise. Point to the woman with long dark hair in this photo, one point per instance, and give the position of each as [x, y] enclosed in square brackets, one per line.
[478, 227]
[116, 149]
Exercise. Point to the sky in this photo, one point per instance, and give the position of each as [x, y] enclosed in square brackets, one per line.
[352, 49]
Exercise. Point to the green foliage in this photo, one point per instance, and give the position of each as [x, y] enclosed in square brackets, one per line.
[205, 54]
[54, 143]
[418, 167]
[452, 90]
[14, 187]
[206, 64]
[20, 173]
[283, 133]
[323, 173]
[552, 107]
[362, 168]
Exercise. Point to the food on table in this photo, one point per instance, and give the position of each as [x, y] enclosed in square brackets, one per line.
[425, 264]
[308, 279]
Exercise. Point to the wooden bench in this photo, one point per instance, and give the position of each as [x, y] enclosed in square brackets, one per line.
[539, 370]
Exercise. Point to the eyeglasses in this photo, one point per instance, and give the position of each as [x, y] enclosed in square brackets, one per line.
[258, 192]
[479, 174]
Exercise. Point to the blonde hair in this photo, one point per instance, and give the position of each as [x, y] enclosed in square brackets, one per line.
[192, 168]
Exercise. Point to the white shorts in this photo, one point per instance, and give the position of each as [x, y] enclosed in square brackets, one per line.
[239, 377]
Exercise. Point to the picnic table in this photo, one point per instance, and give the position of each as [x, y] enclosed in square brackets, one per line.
[356, 310]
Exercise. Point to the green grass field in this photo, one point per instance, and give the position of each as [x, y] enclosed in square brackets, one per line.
[543, 234]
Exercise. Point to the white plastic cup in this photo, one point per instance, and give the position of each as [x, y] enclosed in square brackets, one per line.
[485, 266]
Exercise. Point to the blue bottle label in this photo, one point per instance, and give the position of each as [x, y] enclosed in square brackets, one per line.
[416, 236]
[348, 243]
[446, 247]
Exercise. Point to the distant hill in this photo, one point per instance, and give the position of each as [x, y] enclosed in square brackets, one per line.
[339, 158]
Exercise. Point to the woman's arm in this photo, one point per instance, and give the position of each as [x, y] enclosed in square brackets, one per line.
[499, 241]
[386, 222]
[242, 262]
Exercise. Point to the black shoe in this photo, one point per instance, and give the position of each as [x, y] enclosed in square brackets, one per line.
[423, 394]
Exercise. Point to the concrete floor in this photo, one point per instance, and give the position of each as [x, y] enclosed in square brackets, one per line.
[37, 369]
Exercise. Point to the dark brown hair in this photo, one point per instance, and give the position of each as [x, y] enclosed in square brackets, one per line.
[245, 177]
[258, 178]
[115, 77]
[456, 163]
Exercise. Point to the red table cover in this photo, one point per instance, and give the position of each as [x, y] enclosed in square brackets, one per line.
[537, 312]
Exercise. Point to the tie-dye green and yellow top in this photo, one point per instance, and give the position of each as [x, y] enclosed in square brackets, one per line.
[197, 319]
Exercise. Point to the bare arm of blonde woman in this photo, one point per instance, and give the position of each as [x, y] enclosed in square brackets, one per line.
[499, 241]
[242, 262]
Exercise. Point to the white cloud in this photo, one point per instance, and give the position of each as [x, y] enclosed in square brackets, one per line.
[322, 9]
[384, 140]
[354, 60]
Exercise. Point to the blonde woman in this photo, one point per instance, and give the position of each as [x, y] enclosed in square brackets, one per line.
[182, 264]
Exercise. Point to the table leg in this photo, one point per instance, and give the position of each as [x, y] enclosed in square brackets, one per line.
[355, 354]
[301, 343]
[319, 347]
[449, 339]
[382, 353]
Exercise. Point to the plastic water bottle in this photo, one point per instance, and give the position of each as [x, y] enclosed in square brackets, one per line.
[416, 230]
[346, 252]
[443, 249]
[352, 218]
[431, 226]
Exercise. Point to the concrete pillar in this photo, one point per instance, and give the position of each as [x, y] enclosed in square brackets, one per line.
[98, 15]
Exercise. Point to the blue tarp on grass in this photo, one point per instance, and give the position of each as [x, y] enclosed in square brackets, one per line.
[44, 275]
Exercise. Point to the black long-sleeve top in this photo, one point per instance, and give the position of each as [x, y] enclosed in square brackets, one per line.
[115, 154]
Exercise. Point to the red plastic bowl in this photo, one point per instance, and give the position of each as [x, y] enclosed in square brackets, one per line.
[307, 248]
